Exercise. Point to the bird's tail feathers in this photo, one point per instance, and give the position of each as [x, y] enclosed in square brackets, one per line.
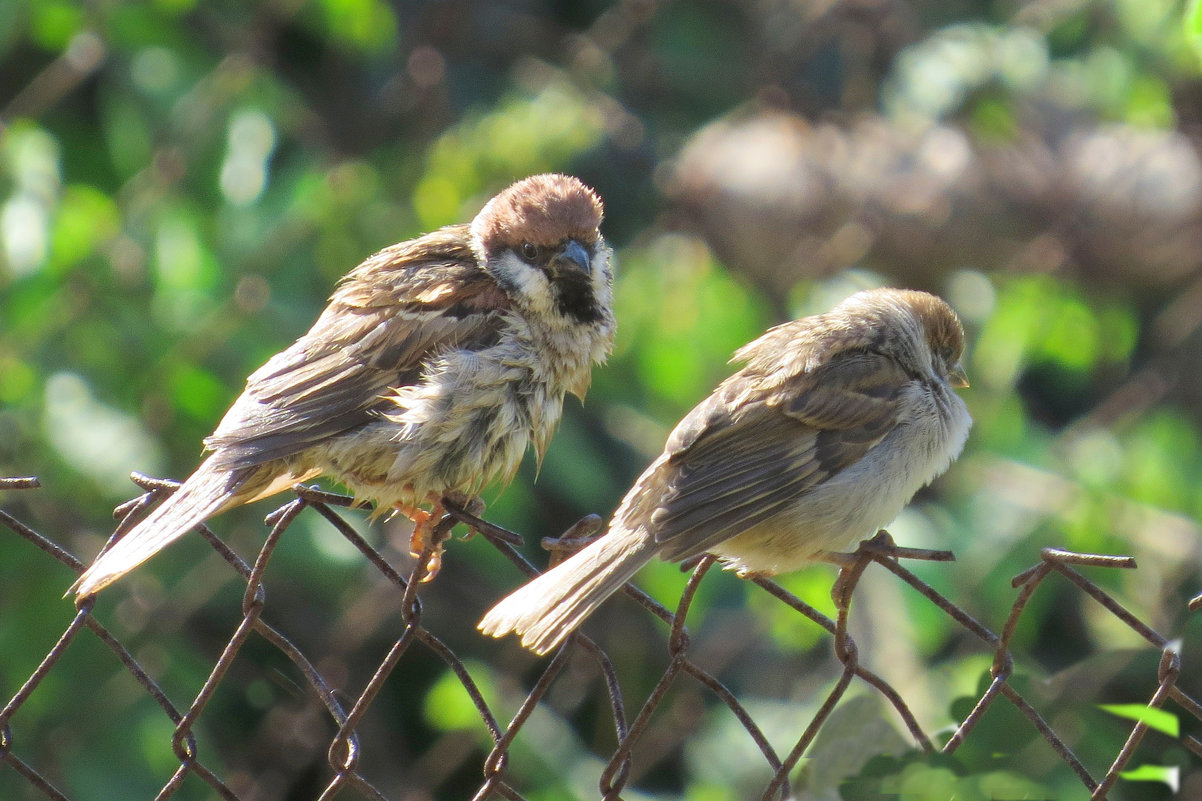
[549, 608]
[206, 492]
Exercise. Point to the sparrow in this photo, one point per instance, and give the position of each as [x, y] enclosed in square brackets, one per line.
[434, 366]
[829, 429]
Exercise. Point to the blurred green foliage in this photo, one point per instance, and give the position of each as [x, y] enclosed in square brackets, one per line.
[181, 184]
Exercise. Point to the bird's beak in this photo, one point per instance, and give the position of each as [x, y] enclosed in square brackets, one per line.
[957, 377]
[573, 255]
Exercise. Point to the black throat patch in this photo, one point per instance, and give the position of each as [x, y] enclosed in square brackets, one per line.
[574, 297]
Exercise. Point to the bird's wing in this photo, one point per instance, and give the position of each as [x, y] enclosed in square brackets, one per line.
[387, 318]
[742, 456]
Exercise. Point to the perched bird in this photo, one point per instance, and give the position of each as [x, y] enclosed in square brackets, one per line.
[436, 363]
[827, 432]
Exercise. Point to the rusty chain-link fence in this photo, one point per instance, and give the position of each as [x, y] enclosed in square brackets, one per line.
[346, 767]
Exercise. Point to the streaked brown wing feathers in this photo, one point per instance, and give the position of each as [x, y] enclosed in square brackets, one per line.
[336, 376]
[729, 473]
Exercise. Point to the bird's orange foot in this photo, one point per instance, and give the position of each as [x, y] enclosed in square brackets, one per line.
[424, 524]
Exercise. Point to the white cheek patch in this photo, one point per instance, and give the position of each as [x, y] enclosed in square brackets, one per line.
[601, 268]
[523, 280]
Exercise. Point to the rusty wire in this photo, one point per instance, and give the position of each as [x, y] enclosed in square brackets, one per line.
[344, 752]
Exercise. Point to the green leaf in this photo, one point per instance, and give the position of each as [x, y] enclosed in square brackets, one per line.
[1165, 774]
[448, 705]
[87, 219]
[1157, 719]
[369, 26]
[1193, 23]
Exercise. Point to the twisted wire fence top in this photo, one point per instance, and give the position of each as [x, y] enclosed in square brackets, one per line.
[330, 712]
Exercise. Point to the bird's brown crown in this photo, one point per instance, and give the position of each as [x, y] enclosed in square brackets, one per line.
[541, 210]
[944, 332]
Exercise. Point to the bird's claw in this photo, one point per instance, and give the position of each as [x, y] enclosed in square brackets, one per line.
[432, 528]
[425, 541]
[432, 566]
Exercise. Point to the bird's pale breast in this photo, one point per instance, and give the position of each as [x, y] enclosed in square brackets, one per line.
[863, 497]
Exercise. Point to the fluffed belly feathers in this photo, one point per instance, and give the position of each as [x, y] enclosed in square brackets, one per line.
[447, 435]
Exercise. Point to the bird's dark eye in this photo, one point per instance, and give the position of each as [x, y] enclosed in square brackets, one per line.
[529, 251]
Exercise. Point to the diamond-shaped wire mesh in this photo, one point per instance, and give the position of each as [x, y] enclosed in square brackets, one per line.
[347, 769]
